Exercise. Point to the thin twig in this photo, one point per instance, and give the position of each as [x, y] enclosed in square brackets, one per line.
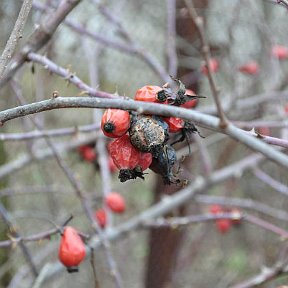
[15, 36]
[171, 37]
[198, 21]
[40, 37]
[51, 133]
[149, 108]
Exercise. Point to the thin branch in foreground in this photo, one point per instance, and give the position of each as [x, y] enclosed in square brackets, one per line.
[40, 37]
[203, 120]
[198, 21]
[15, 36]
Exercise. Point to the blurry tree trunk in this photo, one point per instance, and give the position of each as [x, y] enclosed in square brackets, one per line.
[165, 243]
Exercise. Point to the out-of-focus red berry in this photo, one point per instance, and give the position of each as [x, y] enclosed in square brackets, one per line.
[286, 108]
[87, 153]
[115, 122]
[148, 93]
[191, 103]
[250, 68]
[223, 225]
[213, 64]
[71, 250]
[280, 52]
[115, 202]
[175, 124]
[215, 209]
[101, 217]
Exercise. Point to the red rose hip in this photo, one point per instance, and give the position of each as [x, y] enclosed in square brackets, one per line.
[115, 122]
[71, 250]
[115, 202]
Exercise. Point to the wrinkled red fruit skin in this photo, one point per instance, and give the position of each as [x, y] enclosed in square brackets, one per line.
[72, 249]
[120, 119]
[115, 202]
[101, 217]
[126, 156]
[175, 124]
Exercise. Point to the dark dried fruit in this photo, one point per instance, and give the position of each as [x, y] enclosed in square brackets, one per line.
[148, 134]
[164, 163]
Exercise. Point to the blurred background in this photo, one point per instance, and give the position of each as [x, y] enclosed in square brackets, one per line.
[118, 47]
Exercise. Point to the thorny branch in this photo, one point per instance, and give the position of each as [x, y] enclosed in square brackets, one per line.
[40, 37]
[150, 108]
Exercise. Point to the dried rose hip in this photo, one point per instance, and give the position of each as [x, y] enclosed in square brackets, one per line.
[175, 124]
[164, 163]
[128, 159]
[190, 103]
[115, 202]
[150, 93]
[148, 134]
[115, 122]
[71, 250]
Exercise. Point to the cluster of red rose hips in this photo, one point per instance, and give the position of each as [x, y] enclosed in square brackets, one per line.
[72, 248]
[224, 225]
[279, 52]
[142, 140]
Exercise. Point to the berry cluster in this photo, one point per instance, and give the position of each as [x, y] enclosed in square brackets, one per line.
[143, 141]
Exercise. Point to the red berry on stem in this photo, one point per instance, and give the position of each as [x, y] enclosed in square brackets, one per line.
[250, 68]
[115, 122]
[280, 52]
[101, 217]
[213, 64]
[71, 250]
[115, 202]
[149, 93]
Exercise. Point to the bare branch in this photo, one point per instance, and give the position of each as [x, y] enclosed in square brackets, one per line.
[40, 37]
[15, 36]
[149, 108]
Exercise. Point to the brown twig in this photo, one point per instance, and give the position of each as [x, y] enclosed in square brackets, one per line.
[198, 21]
